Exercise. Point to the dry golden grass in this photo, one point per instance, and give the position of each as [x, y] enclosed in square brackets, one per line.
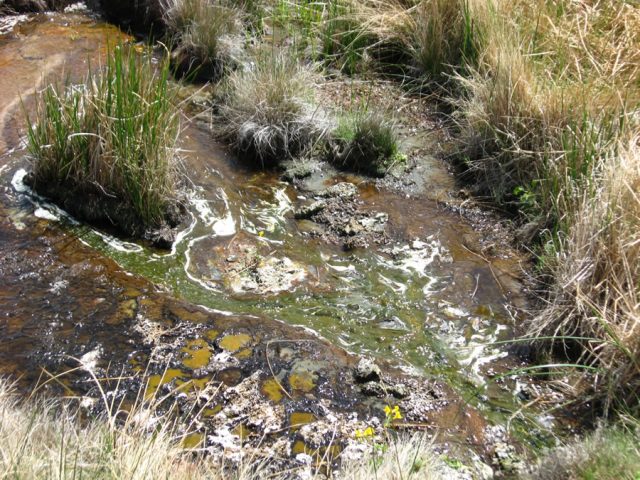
[45, 440]
[596, 272]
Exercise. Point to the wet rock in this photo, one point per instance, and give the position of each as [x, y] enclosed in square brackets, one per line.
[9, 22]
[368, 224]
[342, 190]
[367, 371]
[162, 237]
[372, 389]
[398, 390]
[506, 458]
[300, 168]
[348, 225]
[310, 210]
[392, 323]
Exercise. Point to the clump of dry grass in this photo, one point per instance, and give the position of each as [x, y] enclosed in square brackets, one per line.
[49, 439]
[267, 110]
[426, 40]
[596, 279]
[206, 37]
[544, 112]
[545, 94]
[445, 35]
[43, 439]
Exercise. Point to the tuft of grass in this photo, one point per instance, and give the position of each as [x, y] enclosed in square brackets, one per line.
[445, 35]
[342, 42]
[366, 141]
[105, 150]
[205, 34]
[267, 111]
[609, 453]
[424, 41]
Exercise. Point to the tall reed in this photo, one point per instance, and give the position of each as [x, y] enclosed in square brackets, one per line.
[105, 149]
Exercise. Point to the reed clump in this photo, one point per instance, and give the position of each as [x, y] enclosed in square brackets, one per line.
[267, 111]
[105, 150]
[206, 37]
[549, 127]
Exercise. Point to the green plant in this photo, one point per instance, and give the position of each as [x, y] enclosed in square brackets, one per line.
[609, 453]
[104, 150]
[365, 141]
[343, 41]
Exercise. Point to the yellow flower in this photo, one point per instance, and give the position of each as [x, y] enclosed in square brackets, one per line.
[368, 432]
[261, 233]
[393, 413]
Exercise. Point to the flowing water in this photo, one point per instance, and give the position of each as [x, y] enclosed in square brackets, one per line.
[430, 301]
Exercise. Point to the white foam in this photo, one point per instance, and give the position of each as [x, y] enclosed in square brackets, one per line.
[18, 181]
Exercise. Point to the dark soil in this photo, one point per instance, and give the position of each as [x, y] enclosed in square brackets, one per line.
[109, 212]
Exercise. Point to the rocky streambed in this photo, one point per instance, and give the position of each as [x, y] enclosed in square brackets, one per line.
[292, 309]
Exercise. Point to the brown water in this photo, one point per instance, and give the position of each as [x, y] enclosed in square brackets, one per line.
[429, 302]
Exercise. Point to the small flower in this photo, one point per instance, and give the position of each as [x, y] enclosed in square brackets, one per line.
[367, 432]
[261, 233]
[393, 413]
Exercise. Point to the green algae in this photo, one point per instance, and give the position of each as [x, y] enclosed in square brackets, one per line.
[299, 419]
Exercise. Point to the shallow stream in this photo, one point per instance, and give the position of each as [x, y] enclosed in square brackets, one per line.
[431, 299]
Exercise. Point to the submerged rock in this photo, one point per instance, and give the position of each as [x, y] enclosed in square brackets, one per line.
[338, 211]
[299, 168]
[310, 210]
[342, 189]
[271, 275]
